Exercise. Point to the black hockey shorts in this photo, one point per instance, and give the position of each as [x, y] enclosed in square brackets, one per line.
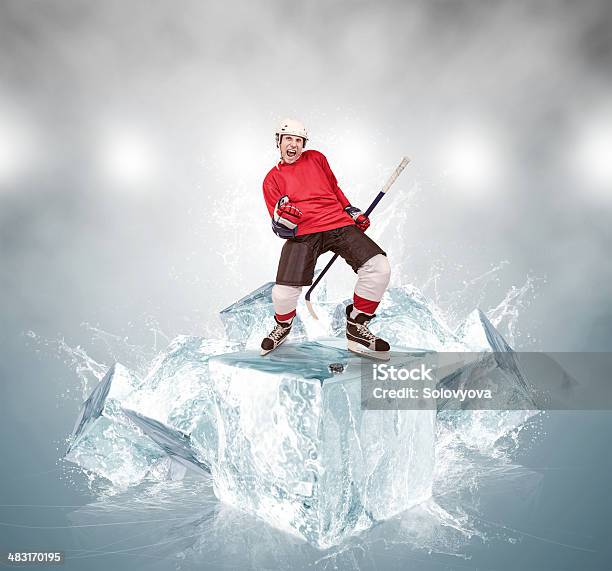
[299, 255]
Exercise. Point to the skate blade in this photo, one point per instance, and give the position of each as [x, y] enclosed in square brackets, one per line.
[362, 351]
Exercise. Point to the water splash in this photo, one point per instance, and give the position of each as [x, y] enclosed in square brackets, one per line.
[454, 305]
[505, 316]
[472, 291]
[108, 347]
[89, 372]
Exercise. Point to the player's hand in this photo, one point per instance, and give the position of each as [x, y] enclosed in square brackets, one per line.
[286, 209]
[284, 220]
[361, 220]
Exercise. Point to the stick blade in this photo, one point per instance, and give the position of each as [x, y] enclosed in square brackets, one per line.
[311, 309]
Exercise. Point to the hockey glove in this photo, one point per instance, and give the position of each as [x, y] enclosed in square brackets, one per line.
[361, 220]
[286, 215]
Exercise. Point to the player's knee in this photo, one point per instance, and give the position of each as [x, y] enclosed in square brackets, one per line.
[384, 268]
[379, 267]
[284, 293]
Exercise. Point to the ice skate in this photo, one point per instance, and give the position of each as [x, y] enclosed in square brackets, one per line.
[361, 340]
[276, 336]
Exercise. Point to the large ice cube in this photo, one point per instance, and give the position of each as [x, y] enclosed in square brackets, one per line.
[296, 448]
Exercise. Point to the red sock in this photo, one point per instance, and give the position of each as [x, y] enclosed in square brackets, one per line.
[285, 316]
[364, 305]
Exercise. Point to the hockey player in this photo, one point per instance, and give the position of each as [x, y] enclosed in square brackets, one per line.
[311, 213]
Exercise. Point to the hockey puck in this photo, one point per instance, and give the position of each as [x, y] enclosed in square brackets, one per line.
[336, 368]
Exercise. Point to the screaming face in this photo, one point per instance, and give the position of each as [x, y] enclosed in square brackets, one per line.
[291, 148]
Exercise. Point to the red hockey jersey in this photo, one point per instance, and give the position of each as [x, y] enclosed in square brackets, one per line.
[311, 185]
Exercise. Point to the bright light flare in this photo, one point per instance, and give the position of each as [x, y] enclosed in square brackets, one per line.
[128, 158]
[471, 160]
[593, 156]
[16, 149]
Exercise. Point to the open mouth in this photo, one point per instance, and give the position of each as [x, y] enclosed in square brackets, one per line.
[291, 153]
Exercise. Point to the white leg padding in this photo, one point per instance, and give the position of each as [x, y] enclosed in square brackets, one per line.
[373, 278]
[285, 298]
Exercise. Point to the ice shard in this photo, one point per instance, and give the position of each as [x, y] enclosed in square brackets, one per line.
[296, 449]
[116, 384]
[477, 333]
[129, 429]
[248, 320]
[176, 391]
[495, 367]
[242, 316]
[406, 318]
[497, 372]
[173, 442]
[107, 442]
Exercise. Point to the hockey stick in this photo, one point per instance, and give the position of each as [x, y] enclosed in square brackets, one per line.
[378, 198]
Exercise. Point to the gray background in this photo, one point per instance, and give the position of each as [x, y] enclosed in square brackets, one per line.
[515, 93]
[134, 138]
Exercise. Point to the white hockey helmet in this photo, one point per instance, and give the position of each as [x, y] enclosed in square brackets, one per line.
[291, 127]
